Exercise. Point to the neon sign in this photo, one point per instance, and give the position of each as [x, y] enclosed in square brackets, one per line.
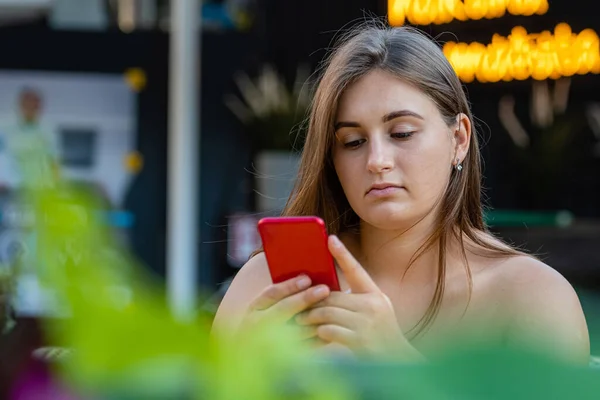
[521, 55]
[426, 12]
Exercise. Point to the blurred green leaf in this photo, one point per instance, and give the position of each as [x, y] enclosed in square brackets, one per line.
[124, 337]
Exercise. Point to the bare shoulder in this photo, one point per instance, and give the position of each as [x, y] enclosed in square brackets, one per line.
[252, 279]
[542, 306]
[527, 279]
[518, 275]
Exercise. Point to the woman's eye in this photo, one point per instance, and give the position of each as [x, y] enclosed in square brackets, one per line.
[354, 144]
[402, 135]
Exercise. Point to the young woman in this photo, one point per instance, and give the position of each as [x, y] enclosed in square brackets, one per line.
[392, 164]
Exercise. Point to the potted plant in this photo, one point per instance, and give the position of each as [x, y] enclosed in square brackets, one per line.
[274, 115]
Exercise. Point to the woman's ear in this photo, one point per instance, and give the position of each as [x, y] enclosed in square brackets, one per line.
[462, 138]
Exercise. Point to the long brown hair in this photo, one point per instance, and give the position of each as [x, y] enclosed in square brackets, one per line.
[415, 59]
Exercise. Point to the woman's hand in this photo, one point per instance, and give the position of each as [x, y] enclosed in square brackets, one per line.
[280, 302]
[362, 320]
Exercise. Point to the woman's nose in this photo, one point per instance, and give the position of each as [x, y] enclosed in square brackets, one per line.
[380, 157]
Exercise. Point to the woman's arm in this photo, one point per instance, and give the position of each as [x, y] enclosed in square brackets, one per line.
[252, 279]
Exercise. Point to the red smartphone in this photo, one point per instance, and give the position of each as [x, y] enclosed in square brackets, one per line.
[295, 246]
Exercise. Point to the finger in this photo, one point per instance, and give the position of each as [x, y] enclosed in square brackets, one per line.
[350, 302]
[338, 334]
[307, 332]
[358, 279]
[329, 315]
[335, 349]
[315, 342]
[276, 292]
[294, 304]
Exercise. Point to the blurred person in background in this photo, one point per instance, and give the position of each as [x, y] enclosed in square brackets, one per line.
[30, 148]
[392, 165]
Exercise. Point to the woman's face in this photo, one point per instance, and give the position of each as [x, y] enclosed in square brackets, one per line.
[394, 152]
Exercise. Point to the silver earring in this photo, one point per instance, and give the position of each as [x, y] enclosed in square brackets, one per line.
[458, 165]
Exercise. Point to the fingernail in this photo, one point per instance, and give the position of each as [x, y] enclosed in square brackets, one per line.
[320, 291]
[335, 241]
[303, 282]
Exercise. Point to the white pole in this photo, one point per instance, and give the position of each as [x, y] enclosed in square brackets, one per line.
[183, 157]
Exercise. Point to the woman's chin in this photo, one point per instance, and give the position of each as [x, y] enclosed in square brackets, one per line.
[393, 217]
